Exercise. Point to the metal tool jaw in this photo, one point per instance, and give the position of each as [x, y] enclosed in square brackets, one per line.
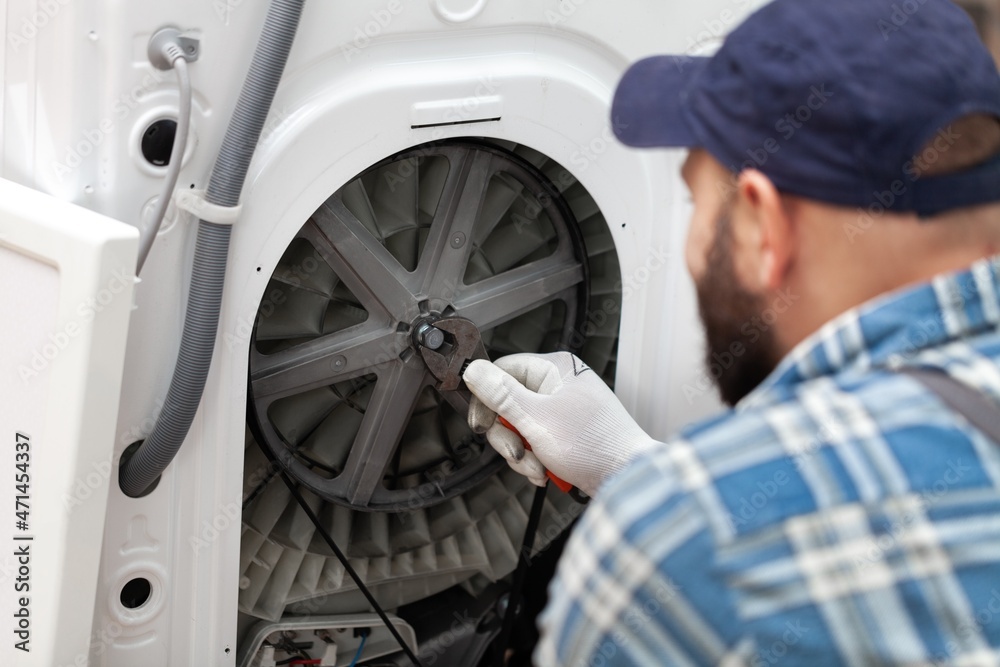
[448, 360]
[462, 344]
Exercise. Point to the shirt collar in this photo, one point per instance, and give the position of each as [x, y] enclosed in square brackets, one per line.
[891, 328]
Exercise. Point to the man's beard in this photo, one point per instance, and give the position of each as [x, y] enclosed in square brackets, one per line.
[728, 313]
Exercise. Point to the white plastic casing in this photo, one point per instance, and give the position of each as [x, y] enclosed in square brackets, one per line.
[78, 93]
[66, 279]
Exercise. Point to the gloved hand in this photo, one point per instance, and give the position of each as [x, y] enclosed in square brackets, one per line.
[575, 424]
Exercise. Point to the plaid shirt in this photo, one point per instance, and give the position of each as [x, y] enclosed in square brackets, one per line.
[840, 515]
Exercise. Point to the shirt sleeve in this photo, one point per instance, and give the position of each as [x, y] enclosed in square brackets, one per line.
[635, 585]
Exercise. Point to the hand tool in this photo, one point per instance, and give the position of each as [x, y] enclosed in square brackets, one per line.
[448, 346]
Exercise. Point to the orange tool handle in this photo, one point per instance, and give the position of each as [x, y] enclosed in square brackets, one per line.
[562, 485]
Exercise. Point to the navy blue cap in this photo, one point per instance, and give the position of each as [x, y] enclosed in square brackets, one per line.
[833, 101]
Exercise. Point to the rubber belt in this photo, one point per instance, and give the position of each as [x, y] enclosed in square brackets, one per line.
[517, 585]
[294, 490]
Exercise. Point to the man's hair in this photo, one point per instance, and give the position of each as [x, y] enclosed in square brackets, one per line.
[977, 140]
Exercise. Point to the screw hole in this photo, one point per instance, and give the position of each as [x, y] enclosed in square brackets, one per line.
[135, 593]
[258, 269]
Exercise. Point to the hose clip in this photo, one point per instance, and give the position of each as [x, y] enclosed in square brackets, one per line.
[195, 203]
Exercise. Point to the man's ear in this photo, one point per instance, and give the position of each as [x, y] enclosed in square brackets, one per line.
[761, 201]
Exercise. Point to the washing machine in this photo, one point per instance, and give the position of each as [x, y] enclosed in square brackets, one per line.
[421, 159]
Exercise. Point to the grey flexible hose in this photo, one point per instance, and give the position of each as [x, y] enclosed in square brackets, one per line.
[208, 274]
[176, 57]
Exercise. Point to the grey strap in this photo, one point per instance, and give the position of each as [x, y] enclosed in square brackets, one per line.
[980, 411]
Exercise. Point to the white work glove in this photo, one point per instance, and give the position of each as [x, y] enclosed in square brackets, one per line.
[576, 426]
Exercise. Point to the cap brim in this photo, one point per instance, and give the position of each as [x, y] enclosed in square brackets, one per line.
[650, 104]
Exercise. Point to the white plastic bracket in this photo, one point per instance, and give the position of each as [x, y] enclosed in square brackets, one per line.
[194, 202]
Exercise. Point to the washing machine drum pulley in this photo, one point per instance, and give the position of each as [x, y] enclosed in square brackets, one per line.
[494, 232]
[341, 396]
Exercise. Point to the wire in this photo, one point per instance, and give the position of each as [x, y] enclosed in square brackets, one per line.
[348, 567]
[148, 235]
[517, 585]
[288, 646]
[357, 656]
[321, 529]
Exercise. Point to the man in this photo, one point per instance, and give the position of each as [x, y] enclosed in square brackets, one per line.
[986, 17]
[843, 513]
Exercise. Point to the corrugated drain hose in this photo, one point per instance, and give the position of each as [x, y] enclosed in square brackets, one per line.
[208, 274]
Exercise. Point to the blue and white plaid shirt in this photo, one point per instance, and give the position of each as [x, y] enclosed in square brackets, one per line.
[840, 515]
